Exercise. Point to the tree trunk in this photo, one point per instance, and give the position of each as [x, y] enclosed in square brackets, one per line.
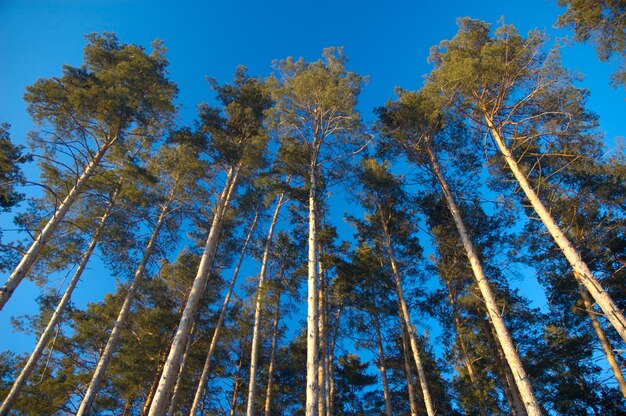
[606, 344]
[407, 367]
[98, 375]
[237, 377]
[312, 317]
[32, 254]
[331, 362]
[250, 409]
[204, 377]
[382, 365]
[404, 313]
[155, 383]
[580, 268]
[504, 338]
[19, 383]
[323, 342]
[270, 369]
[178, 387]
[172, 364]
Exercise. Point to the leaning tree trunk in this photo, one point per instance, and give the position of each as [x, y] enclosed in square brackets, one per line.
[178, 387]
[580, 268]
[272, 363]
[46, 233]
[204, 377]
[250, 410]
[407, 367]
[382, 366]
[606, 344]
[504, 338]
[19, 383]
[98, 375]
[312, 343]
[404, 313]
[172, 364]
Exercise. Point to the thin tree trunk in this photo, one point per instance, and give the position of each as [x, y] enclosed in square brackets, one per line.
[382, 366]
[98, 375]
[204, 377]
[464, 349]
[407, 367]
[155, 382]
[270, 369]
[312, 316]
[46, 233]
[580, 268]
[606, 344]
[166, 383]
[331, 362]
[237, 377]
[504, 338]
[178, 387]
[250, 409]
[19, 383]
[129, 406]
[404, 313]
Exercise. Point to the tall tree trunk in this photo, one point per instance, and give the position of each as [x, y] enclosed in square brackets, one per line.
[604, 342]
[172, 364]
[382, 365]
[204, 377]
[407, 367]
[331, 362]
[463, 346]
[580, 268]
[111, 345]
[270, 368]
[323, 341]
[250, 409]
[155, 382]
[312, 317]
[129, 406]
[178, 387]
[504, 338]
[404, 313]
[46, 233]
[19, 383]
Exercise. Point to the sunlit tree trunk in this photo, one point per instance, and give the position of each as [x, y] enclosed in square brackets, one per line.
[272, 363]
[312, 353]
[236, 387]
[495, 316]
[250, 410]
[580, 268]
[323, 342]
[181, 373]
[96, 379]
[332, 389]
[604, 342]
[21, 379]
[172, 364]
[46, 233]
[204, 377]
[407, 367]
[382, 365]
[404, 313]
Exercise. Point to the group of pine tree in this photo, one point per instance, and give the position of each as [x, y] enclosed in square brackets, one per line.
[494, 169]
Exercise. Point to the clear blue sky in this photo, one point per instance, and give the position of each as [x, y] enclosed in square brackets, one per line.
[388, 43]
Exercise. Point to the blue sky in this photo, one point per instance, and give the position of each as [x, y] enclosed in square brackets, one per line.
[389, 44]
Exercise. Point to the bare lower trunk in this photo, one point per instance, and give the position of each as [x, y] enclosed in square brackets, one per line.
[606, 344]
[172, 364]
[178, 387]
[407, 367]
[250, 409]
[312, 317]
[98, 375]
[46, 233]
[580, 268]
[270, 369]
[236, 387]
[331, 363]
[204, 377]
[504, 338]
[323, 343]
[19, 383]
[404, 313]
[155, 383]
[382, 365]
